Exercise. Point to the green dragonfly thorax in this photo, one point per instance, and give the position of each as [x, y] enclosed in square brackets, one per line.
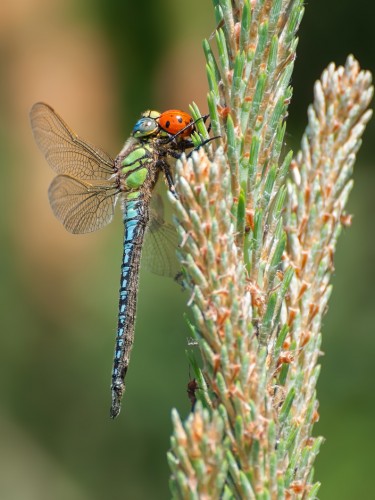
[137, 167]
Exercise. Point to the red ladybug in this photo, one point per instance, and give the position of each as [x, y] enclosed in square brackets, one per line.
[174, 121]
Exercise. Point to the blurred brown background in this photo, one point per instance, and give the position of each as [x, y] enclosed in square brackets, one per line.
[100, 64]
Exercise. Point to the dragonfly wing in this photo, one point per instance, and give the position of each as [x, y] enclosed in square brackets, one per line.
[80, 206]
[161, 241]
[65, 152]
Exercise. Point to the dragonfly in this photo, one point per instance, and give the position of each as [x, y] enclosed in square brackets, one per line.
[87, 187]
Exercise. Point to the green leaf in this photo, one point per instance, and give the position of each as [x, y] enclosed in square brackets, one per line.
[245, 26]
[286, 407]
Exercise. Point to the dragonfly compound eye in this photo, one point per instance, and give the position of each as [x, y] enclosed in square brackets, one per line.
[145, 127]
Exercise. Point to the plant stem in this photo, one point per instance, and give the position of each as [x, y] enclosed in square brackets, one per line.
[257, 251]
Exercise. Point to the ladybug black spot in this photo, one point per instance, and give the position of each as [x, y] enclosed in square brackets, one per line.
[179, 119]
[167, 124]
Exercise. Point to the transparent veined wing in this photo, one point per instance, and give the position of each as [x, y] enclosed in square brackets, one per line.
[82, 207]
[161, 241]
[65, 152]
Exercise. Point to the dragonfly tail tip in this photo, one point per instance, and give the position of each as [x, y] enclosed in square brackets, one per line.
[114, 412]
[118, 389]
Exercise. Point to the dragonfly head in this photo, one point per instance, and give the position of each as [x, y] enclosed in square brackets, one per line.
[146, 125]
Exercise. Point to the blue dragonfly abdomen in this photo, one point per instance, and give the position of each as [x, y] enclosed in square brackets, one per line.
[139, 172]
[136, 216]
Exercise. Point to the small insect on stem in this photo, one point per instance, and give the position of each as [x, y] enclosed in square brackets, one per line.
[191, 390]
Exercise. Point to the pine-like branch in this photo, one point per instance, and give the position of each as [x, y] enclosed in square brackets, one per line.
[257, 252]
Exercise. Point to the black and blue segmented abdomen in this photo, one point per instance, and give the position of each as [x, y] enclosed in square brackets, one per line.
[135, 221]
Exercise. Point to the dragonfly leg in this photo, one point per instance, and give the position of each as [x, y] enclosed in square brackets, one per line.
[167, 172]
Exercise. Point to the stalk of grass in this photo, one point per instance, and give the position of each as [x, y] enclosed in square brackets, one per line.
[258, 233]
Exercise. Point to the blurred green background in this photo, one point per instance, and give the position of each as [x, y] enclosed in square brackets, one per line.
[99, 64]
